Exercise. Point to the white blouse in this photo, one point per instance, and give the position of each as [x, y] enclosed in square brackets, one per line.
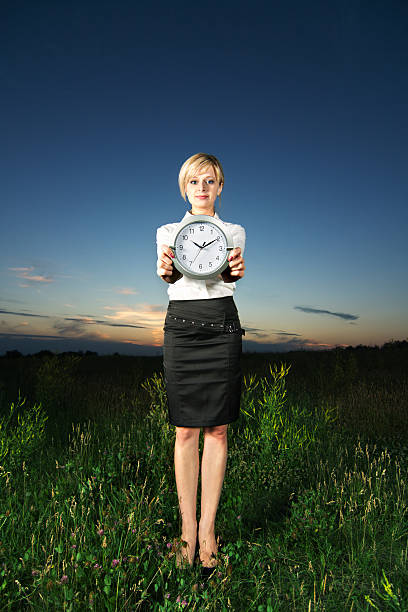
[195, 289]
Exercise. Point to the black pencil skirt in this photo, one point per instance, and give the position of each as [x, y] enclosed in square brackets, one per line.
[201, 359]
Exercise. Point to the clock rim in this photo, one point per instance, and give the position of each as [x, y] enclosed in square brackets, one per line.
[200, 219]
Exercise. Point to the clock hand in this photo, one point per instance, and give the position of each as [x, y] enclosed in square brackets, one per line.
[197, 245]
[196, 256]
[206, 245]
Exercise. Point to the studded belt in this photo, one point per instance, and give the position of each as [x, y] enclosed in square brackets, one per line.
[228, 328]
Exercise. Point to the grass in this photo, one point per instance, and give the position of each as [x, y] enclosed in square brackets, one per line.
[313, 515]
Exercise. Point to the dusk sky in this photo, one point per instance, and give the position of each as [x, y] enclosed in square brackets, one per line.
[304, 103]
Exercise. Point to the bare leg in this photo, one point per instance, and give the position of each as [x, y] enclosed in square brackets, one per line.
[186, 464]
[213, 465]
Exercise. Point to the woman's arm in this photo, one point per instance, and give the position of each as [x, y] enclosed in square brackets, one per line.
[165, 267]
[236, 267]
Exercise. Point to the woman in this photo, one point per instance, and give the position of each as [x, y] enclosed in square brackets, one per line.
[201, 367]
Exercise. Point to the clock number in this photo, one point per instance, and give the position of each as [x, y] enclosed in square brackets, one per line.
[180, 247]
[200, 266]
[218, 238]
[210, 264]
[184, 257]
[185, 237]
[220, 248]
[191, 230]
[218, 257]
[201, 228]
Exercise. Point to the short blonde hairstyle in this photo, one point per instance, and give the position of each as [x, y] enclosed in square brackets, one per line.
[196, 162]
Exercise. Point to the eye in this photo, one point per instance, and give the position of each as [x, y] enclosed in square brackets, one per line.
[211, 181]
[193, 181]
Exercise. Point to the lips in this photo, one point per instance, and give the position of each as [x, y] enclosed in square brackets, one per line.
[202, 197]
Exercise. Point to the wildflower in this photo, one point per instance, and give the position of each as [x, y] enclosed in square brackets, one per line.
[168, 544]
[184, 602]
[64, 579]
[100, 532]
[74, 546]
[115, 562]
[149, 546]
[133, 530]
[72, 534]
[178, 599]
[35, 572]
[239, 517]
[167, 595]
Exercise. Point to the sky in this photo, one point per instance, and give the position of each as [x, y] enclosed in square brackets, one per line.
[305, 105]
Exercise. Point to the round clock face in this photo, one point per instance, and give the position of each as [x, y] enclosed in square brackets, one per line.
[201, 247]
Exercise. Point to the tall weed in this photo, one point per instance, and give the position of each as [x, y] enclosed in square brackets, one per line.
[22, 431]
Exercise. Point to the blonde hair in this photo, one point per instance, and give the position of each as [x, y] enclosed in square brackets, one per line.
[196, 162]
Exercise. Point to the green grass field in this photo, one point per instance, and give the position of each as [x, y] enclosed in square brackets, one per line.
[312, 516]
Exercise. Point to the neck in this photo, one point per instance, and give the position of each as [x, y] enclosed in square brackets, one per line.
[210, 212]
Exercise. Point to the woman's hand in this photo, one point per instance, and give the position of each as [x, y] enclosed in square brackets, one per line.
[235, 268]
[165, 267]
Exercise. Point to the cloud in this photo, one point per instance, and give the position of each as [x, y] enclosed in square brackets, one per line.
[279, 332]
[254, 331]
[340, 315]
[294, 344]
[262, 333]
[24, 314]
[89, 321]
[24, 273]
[150, 316]
[37, 336]
[126, 291]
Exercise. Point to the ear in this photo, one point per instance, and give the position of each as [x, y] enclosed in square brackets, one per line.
[220, 188]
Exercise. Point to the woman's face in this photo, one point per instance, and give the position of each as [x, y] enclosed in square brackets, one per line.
[202, 191]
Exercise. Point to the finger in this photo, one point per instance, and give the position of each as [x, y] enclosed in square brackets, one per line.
[234, 253]
[236, 263]
[165, 268]
[237, 272]
[165, 273]
[166, 261]
[238, 268]
[166, 250]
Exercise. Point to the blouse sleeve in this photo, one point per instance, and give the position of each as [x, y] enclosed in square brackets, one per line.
[162, 237]
[239, 236]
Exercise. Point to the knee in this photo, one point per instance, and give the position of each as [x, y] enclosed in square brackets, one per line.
[187, 434]
[219, 432]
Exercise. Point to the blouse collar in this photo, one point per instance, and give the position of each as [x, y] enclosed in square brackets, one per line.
[189, 214]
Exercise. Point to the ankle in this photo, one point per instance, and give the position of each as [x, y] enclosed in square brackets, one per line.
[189, 528]
[206, 527]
